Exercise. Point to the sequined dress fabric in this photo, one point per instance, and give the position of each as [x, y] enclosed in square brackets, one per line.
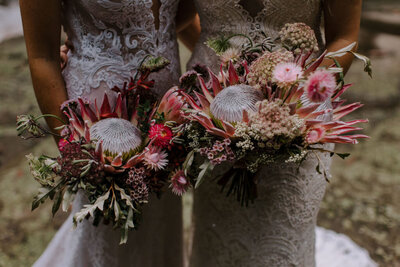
[111, 38]
[278, 230]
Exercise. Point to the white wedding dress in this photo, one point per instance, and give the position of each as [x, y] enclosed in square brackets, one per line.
[278, 230]
[110, 38]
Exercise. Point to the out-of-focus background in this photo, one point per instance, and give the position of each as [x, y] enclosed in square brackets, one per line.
[362, 200]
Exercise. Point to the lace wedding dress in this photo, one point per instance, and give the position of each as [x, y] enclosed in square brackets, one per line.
[278, 230]
[110, 38]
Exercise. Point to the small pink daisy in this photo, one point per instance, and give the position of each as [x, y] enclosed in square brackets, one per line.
[179, 183]
[320, 85]
[155, 158]
[287, 74]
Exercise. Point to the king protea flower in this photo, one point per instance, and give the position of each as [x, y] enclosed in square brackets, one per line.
[118, 141]
[225, 105]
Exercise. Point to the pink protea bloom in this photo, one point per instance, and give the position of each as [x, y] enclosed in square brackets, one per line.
[320, 85]
[155, 158]
[179, 183]
[161, 135]
[315, 135]
[287, 74]
[171, 105]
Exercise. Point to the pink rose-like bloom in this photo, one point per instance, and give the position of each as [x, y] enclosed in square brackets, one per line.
[315, 135]
[320, 86]
[155, 158]
[286, 74]
[179, 183]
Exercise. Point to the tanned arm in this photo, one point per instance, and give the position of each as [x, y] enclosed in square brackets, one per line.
[342, 26]
[188, 24]
[42, 28]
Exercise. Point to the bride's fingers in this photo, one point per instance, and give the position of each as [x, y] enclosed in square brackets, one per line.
[63, 58]
[69, 45]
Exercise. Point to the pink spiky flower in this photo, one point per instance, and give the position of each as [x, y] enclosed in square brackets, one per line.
[320, 85]
[171, 105]
[155, 158]
[161, 135]
[179, 182]
[287, 74]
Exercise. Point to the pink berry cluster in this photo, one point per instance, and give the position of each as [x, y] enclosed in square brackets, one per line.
[219, 152]
[70, 153]
[139, 190]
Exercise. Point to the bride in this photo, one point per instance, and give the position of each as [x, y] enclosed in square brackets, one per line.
[279, 228]
[110, 39]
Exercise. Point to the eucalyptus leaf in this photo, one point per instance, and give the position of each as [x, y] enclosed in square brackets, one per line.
[124, 196]
[90, 209]
[206, 168]
[125, 230]
[341, 52]
[188, 161]
[67, 200]
[44, 193]
[343, 155]
[117, 210]
[57, 202]
[367, 63]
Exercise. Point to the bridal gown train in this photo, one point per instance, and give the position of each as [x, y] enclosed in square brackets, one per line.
[278, 230]
[110, 39]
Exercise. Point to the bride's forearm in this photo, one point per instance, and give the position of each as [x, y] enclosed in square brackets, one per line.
[42, 29]
[189, 35]
[342, 26]
[49, 89]
[344, 61]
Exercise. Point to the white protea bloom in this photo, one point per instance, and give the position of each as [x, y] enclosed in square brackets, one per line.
[117, 135]
[230, 103]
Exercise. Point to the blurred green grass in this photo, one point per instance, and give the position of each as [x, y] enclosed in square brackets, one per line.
[362, 200]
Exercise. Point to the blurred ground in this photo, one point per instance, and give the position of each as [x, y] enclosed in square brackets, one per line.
[362, 201]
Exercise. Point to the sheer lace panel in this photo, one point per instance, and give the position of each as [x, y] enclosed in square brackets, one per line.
[111, 37]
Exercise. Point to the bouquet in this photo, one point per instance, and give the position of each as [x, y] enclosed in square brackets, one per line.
[116, 153]
[271, 102]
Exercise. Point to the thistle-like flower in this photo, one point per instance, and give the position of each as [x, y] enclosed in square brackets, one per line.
[320, 85]
[287, 74]
[179, 182]
[155, 158]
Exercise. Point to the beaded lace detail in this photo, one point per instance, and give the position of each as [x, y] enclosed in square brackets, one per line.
[111, 38]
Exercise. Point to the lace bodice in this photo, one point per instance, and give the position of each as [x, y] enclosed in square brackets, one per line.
[111, 37]
[251, 17]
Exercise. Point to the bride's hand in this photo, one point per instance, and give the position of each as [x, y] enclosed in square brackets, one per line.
[67, 46]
